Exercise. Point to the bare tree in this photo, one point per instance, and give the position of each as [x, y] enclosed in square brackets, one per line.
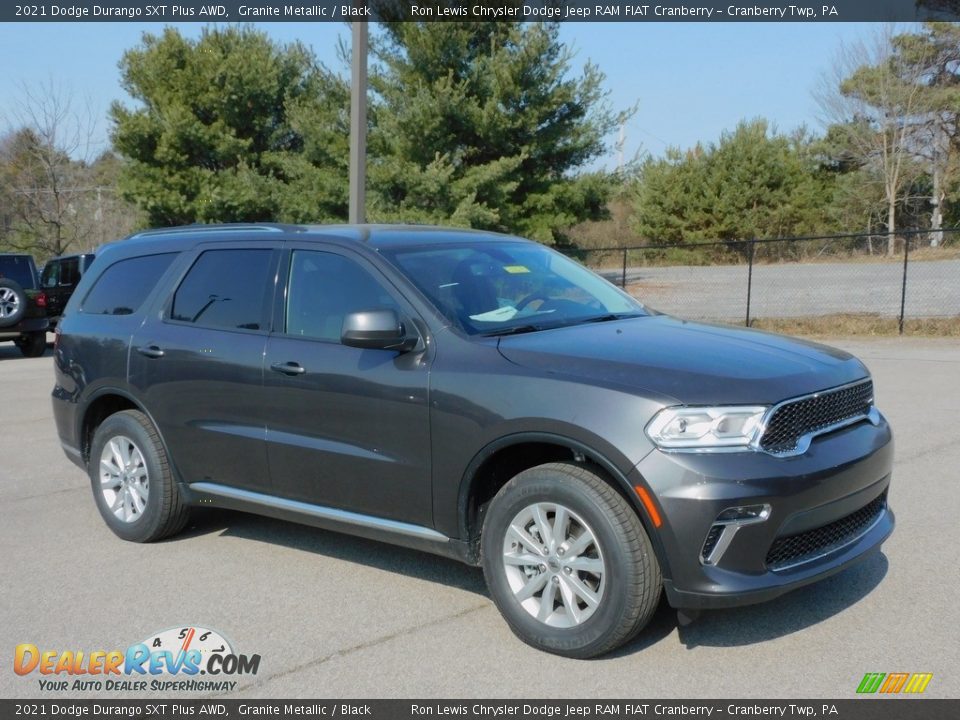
[875, 97]
[44, 169]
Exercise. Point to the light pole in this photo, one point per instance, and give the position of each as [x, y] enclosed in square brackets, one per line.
[358, 124]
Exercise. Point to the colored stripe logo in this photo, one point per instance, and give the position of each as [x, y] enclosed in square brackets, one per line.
[894, 683]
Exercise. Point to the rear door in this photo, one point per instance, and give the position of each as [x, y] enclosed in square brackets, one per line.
[198, 361]
[346, 427]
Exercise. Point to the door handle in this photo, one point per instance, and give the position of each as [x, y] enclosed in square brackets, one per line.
[288, 368]
[150, 351]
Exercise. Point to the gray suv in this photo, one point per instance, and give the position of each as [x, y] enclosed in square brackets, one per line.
[477, 396]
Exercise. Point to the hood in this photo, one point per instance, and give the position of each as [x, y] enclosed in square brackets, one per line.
[695, 363]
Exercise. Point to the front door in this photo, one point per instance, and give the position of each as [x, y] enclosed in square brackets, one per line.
[346, 427]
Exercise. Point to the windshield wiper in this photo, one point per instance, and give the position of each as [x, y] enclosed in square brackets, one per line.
[518, 329]
[515, 330]
[605, 318]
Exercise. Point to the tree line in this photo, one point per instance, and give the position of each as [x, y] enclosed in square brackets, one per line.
[479, 125]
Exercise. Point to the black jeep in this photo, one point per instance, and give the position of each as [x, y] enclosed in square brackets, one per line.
[23, 305]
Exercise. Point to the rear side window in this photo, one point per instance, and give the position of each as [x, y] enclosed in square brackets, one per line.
[225, 289]
[18, 268]
[123, 286]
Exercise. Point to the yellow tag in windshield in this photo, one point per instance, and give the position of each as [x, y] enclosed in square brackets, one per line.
[516, 269]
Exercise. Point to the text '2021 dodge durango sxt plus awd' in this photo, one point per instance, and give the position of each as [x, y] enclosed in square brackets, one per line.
[474, 395]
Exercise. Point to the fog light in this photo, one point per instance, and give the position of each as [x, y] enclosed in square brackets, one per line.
[745, 514]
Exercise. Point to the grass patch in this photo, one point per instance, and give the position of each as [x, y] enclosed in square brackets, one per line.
[929, 253]
[802, 252]
[860, 325]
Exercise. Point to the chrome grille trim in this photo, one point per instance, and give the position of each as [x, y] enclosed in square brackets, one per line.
[803, 441]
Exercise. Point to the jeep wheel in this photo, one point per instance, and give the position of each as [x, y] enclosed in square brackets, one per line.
[33, 345]
[13, 302]
[568, 562]
[131, 479]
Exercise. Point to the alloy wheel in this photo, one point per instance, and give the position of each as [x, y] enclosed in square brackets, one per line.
[9, 303]
[554, 564]
[124, 479]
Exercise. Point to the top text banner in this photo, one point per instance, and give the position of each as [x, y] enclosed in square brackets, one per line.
[482, 11]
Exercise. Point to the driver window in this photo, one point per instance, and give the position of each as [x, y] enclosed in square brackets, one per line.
[50, 274]
[323, 288]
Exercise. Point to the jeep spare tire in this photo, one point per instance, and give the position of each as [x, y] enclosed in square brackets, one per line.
[13, 302]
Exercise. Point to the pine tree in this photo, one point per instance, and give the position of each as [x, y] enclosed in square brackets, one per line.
[231, 127]
[481, 125]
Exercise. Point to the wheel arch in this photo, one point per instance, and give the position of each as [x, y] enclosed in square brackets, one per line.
[102, 404]
[505, 457]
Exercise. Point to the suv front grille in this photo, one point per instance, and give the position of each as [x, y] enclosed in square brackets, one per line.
[793, 420]
[796, 549]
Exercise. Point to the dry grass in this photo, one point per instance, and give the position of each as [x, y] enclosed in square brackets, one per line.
[802, 252]
[924, 254]
[941, 253]
[860, 325]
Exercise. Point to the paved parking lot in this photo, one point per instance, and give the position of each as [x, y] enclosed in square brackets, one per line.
[334, 616]
[784, 290]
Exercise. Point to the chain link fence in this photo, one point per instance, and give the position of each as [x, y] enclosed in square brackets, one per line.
[836, 284]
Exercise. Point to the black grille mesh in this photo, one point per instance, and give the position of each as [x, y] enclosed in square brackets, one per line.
[793, 420]
[796, 549]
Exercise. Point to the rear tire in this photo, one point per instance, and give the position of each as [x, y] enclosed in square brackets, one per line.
[132, 484]
[33, 345]
[581, 577]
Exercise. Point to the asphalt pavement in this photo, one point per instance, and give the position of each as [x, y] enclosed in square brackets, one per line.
[335, 616]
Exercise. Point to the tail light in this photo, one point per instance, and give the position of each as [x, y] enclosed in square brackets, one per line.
[42, 300]
[56, 339]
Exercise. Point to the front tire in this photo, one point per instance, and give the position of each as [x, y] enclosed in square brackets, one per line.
[133, 486]
[568, 562]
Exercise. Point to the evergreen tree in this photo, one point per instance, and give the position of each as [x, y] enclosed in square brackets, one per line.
[481, 125]
[752, 184]
[232, 127]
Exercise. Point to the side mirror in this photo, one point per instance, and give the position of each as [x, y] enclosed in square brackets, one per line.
[378, 329]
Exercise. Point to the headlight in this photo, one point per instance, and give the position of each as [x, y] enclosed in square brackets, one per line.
[697, 428]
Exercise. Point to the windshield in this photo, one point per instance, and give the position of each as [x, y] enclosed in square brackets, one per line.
[495, 288]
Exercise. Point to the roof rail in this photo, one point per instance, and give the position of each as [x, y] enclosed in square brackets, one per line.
[226, 227]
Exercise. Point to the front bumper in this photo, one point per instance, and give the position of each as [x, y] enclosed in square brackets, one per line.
[839, 476]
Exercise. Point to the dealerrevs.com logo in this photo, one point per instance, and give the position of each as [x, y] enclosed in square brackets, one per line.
[171, 660]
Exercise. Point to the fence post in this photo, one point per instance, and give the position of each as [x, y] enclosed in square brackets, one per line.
[903, 287]
[623, 277]
[750, 279]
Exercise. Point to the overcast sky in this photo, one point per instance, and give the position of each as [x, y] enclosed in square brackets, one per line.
[692, 80]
